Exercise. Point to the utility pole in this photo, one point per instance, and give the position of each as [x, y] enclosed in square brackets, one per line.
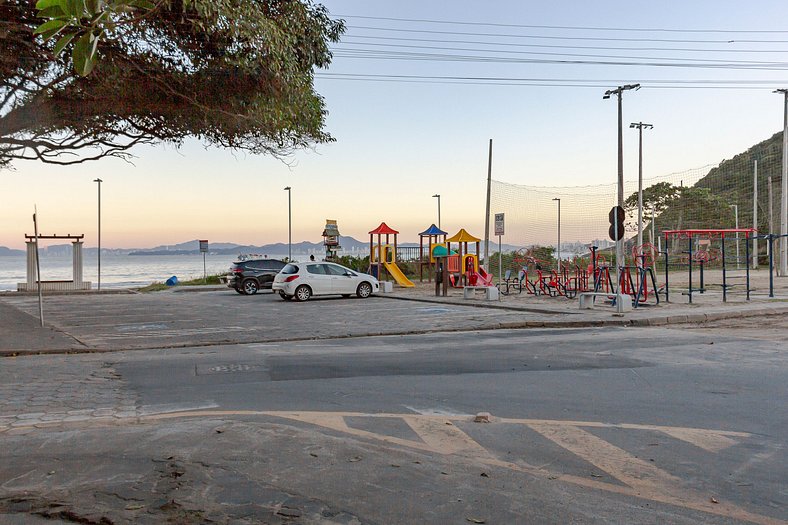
[487, 211]
[439, 210]
[640, 126]
[558, 253]
[755, 215]
[618, 92]
[99, 181]
[784, 190]
[736, 219]
[289, 227]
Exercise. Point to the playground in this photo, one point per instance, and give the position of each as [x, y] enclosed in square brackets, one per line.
[694, 266]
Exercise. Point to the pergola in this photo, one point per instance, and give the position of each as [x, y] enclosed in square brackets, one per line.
[76, 267]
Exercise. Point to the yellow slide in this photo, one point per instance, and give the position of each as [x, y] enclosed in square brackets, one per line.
[397, 274]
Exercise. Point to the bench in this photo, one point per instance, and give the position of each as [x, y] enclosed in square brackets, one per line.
[490, 292]
[623, 303]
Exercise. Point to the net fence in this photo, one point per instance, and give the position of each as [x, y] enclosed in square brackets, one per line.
[710, 197]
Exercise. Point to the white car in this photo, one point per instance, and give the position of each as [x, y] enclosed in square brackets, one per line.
[303, 280]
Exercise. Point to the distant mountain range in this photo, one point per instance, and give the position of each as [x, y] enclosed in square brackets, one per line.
[348, 244]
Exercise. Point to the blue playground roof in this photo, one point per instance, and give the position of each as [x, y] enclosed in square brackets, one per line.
[433, 230]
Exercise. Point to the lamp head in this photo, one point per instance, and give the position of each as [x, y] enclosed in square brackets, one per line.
[287, 188]
[437, 195]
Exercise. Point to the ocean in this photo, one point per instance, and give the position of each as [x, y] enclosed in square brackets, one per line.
[119, 271]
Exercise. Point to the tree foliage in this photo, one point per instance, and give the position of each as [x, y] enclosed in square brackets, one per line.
[679, 207]
[85, 79]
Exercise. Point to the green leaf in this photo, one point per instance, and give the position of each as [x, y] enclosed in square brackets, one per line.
[53, 11]
[62, 42]
[75, 8]
[44, 4]
[142, 4]
[84, 54]
[52, 25]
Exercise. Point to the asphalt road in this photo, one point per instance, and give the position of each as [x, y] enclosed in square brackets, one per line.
[587, 426]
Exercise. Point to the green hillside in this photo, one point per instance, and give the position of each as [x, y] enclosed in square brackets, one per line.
[708, 204]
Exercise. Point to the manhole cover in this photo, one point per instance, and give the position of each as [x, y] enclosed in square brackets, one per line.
[230, 369]
[435, 310]
[140, 327]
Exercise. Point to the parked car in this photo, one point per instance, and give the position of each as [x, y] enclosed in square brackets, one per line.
[247, 277]
[303, 280]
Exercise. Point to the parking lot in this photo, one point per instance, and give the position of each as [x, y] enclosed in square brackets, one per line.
[129, 321]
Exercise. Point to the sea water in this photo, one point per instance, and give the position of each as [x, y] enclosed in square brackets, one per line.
[118, 271]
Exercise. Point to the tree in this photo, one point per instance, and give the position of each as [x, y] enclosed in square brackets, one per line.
[233, 73]
[658, 196]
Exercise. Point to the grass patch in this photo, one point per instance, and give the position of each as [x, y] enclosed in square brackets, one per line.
[160, 286]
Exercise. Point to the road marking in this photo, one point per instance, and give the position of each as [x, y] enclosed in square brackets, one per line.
[439, 434]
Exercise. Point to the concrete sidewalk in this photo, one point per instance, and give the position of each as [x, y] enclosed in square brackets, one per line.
[171, 319]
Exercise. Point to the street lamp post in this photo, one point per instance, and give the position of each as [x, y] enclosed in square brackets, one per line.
[736, 219]
[289, 226]
[618, 92]
[439, 209]
[784, 192]
[99, 181]
[640, 126]
[558, 252]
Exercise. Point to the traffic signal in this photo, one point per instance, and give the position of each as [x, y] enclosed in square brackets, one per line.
[616, 218]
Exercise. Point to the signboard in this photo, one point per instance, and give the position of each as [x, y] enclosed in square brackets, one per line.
[499, 223]
[203, 246]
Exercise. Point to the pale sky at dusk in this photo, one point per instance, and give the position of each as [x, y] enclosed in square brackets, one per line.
[400, 142]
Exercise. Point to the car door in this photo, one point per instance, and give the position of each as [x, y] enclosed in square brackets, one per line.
[319, 279]
[341, 282]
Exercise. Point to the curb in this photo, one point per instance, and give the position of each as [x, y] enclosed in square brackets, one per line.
[515, 325]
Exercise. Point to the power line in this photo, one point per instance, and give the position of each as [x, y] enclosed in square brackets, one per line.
[549, 53]
[553, 37]
[571, 28]
[553, 46]
[399, 55]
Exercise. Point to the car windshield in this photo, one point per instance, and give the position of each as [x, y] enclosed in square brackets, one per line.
[290, 269]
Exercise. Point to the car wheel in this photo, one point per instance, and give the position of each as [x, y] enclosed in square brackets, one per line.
[364, 290]
[250, 287]
[237, 289]
[303, 293]
[284, 296]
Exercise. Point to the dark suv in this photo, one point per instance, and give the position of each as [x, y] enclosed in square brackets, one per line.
[247, 277]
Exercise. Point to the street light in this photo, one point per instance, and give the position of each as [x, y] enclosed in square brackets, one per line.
[784, 194]
[99, 181]
[559, 233]
[736, 217]
[619, 91]
[289, 226]
[640, 126]
[439, 209]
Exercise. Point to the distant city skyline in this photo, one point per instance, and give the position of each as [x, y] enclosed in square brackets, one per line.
[406, 131]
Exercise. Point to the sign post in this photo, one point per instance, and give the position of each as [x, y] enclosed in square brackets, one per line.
[499, 229]
[204, 250]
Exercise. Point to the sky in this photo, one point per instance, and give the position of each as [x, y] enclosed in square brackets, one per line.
[404, 132]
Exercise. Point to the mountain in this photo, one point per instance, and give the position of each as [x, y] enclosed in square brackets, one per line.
[5, 252]
[723, 195]
[279, 248]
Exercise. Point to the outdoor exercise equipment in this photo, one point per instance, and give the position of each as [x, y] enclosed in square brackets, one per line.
[690, 235]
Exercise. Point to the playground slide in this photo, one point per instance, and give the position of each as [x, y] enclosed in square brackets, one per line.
[397, 274]
[485, 277]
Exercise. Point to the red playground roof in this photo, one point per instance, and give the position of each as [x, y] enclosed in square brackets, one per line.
[383, 229]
